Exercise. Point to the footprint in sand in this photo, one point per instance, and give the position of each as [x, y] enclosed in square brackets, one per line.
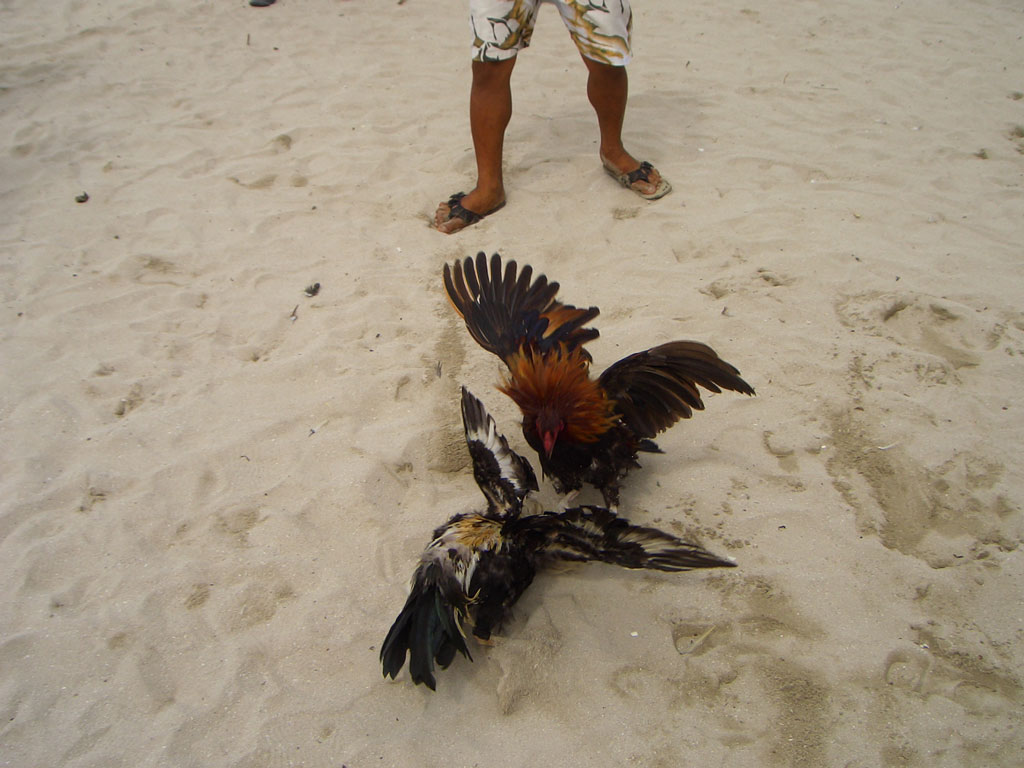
[938, 514]
[693, 639]
[257, 603]
[525, 660]
[237, 523]
[956, 333]
[936, 668]
[762, 279]
[723, 659]
[198, 596]
[907, 669]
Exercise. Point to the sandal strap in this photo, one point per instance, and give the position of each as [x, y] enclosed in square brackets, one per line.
[457, 211]
[640, 174]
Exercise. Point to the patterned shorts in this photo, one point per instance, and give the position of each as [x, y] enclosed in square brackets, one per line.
[600, 28]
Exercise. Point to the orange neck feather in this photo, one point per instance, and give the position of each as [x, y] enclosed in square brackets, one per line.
[559, 383]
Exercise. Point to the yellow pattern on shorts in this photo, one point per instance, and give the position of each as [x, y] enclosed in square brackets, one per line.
[599, 28]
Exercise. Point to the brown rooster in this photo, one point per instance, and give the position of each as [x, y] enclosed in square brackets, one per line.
[585, 430]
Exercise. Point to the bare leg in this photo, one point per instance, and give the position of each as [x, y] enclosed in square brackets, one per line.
[608, 90]
[490, 109]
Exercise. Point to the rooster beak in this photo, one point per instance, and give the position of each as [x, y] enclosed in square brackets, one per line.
[549, 443]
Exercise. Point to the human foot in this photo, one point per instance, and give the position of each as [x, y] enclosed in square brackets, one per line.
[642, 178]
[460, 211]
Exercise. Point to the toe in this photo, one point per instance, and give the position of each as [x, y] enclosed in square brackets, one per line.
[645, 187]
[650, 186]
[447, 224]
[441, 214]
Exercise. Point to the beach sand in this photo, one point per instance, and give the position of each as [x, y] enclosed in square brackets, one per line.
[214, 488]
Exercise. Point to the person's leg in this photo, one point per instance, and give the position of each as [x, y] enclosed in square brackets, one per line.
[608, 91]
[501, 28]
[490, 109]
[602, 34]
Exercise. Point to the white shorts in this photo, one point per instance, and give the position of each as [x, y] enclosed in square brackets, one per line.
[600, 28]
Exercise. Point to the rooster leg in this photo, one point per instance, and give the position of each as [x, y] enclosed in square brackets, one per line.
[483, 636]
[568, 499]
[610, 493]
[532, 507]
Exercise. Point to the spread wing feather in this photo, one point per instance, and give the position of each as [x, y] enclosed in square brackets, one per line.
[656, 388]
[503, 475]
[589, 533]
[504, 308]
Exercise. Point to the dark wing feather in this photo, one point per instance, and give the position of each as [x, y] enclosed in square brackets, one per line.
[429, 627]
[505, 308]
[590, 533]
[503, 475]
[653, 389]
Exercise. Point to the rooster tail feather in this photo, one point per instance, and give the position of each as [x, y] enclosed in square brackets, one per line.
[428, 629]
[505, 308]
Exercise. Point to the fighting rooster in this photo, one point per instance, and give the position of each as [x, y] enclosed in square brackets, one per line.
[478, 564]
[585, 430]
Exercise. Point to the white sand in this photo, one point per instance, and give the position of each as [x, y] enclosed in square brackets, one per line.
[209, 510]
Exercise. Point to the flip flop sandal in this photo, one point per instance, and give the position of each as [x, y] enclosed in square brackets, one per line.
[457, 211]
[640, 174]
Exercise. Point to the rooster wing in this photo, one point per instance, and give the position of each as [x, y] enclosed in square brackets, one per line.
[654, 389]
[590, 533]
[503, 475]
